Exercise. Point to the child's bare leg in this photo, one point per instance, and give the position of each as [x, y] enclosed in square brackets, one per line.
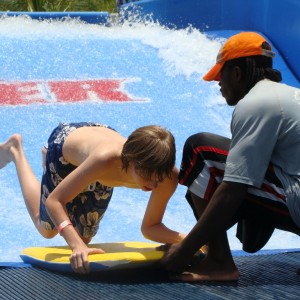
[12, 150]
[5, 155]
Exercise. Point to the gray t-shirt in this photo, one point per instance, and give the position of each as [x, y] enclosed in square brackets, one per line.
[265, 128]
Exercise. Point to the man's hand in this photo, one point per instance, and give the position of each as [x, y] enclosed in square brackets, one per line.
[174, 259]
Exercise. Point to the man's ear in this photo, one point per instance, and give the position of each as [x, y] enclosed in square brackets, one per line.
[237, 72]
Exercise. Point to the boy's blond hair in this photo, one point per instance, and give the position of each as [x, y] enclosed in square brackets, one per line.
[151, 151]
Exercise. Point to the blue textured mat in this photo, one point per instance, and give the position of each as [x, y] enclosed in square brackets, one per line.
[271, 276]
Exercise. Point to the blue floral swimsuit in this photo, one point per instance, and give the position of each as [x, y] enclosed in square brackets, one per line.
[85, 210]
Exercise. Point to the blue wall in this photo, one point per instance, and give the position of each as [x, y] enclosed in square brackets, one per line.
[88, 17]
[278, 20]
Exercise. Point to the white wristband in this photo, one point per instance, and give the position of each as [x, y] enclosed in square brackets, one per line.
[63, 224]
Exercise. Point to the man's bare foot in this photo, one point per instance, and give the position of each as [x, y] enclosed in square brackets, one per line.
[208, 270]
[7, 149]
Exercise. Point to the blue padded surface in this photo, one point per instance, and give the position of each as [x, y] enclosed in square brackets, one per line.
[271, 276]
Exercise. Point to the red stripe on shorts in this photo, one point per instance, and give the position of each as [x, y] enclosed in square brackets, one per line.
[270, 207]
[212, 183]
[196, 151]
[268, 189]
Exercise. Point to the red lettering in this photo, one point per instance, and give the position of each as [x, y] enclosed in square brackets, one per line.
[93, 90]
[19, 93]
[103, 90]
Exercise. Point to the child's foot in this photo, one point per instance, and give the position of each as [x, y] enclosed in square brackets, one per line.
[8, 149]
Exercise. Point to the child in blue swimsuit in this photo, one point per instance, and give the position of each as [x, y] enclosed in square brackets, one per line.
[87, 209]
[83, 162]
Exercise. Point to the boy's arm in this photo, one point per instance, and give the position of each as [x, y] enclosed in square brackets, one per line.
[152, 226]
[65, 192]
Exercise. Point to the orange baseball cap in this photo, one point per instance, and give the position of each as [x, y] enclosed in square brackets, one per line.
[240, 45]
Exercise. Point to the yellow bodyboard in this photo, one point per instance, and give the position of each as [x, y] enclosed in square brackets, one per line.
[121, 255]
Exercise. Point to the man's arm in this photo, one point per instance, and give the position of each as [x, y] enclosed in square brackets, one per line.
[216, 218]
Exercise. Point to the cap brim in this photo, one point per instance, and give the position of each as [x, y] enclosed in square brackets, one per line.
[213, 73]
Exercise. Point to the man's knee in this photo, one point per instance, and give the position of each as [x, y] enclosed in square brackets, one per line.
[197, 143]
[207, 139]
